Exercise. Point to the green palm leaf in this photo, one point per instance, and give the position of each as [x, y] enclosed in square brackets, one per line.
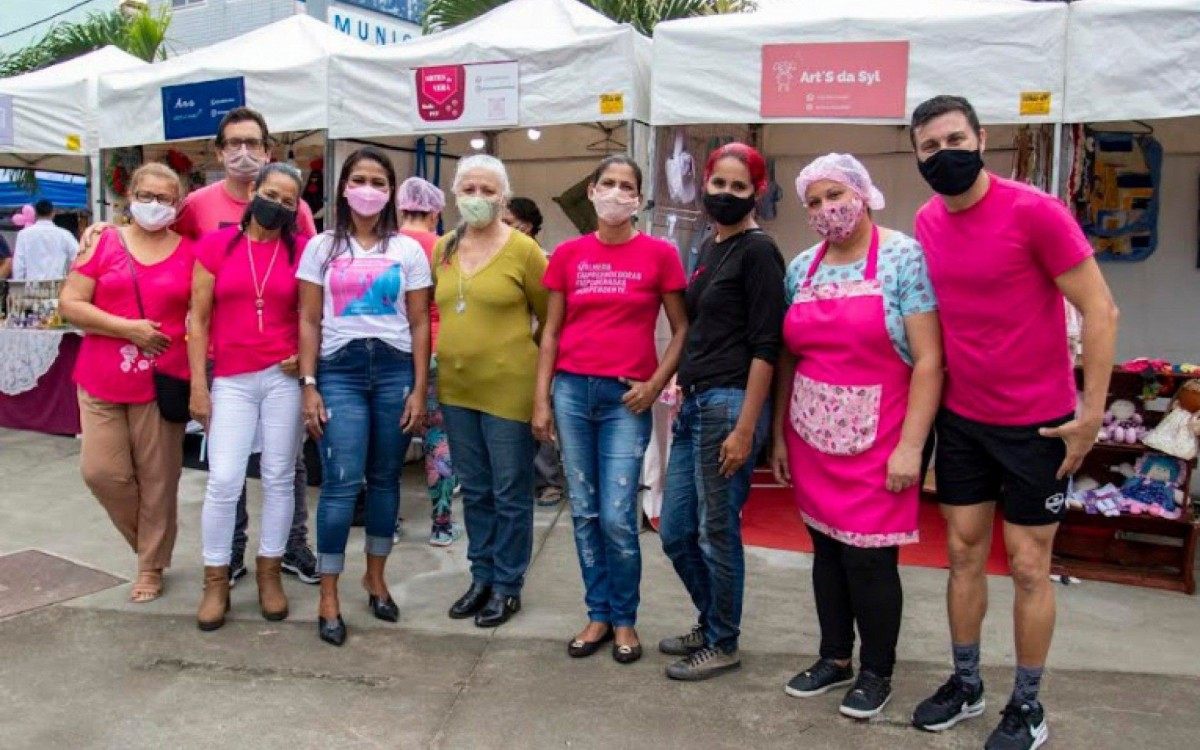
[641, 14]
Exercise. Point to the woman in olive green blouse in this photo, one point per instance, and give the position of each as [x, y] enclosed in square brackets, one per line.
[489, 291]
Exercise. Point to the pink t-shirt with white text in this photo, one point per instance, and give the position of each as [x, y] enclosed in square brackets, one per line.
[114, 369]
[212, 207]
[993, 267]
[613, 294]
[236, 343]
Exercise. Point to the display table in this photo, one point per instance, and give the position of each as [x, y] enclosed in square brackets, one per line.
[36, 389]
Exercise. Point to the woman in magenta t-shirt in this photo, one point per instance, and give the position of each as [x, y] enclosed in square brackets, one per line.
[245, 303]
[131, 457]
[598, 348]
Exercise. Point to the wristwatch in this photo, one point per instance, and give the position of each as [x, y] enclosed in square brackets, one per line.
[307, 380]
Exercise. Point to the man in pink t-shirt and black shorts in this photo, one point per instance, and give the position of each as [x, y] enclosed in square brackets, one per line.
[1002, 256]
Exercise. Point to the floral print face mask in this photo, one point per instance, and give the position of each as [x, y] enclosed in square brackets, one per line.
[836, 222]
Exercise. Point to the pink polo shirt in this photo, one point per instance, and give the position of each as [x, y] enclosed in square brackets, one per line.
[613, 294]
[237, 345]
[114, 369]
[993, 268]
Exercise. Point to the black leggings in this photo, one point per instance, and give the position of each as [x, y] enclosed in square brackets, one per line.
[857, 585]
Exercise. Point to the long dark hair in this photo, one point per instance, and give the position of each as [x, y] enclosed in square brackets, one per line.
[617, 160]
[388, 222]
[288, 231]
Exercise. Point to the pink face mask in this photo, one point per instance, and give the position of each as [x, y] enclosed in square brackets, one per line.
[614, 207]
[837, 222]
[365, 200]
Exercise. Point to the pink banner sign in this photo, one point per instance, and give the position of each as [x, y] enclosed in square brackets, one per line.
[840, 80]
[441, 92]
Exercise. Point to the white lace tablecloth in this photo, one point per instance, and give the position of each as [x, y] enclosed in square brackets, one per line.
[26, 354]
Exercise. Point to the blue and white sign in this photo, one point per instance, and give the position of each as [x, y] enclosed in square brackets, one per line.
[372, 28]
[7, 130]
[194, 110]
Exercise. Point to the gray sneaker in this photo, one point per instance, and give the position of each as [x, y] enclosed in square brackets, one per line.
[683, 645]
[705, 663]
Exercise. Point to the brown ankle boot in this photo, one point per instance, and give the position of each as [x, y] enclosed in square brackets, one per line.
[271, 599]
[215, 602]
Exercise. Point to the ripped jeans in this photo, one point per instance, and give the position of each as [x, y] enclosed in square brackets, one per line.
[602, 447]
[364, 385]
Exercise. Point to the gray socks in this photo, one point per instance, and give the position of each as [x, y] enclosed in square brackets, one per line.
[966, 664]
[1026, 685]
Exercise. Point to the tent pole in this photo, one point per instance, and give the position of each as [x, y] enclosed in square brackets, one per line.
[1056, 161]
[98, 207]
[651, 171]
[330, 181]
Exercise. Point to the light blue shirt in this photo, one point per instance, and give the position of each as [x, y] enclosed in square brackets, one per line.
[902, 273]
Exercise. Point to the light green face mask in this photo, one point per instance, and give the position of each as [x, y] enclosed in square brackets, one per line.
[476, 211]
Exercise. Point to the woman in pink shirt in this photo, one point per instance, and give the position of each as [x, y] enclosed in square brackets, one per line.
[245, 303]
[598, 349]
[131, 457]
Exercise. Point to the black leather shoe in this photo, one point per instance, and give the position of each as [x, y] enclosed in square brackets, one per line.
[470, 602]
[383, 609]
[626, 654]
[497, 610]
[332, 631]
[577, 649]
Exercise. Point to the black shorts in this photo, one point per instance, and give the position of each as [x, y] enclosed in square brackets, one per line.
[1014, 466]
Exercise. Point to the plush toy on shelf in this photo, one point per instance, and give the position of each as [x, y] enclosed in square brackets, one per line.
[1122, 424]
[1154, 488]
[1176, 433]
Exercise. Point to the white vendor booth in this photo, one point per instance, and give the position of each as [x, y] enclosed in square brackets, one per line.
[801, 80]
[549, 86]
[280, 70]
[1134, 66]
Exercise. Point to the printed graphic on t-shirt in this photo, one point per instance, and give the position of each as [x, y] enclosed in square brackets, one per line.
[365, 286]
[602, 278]
[132, 360]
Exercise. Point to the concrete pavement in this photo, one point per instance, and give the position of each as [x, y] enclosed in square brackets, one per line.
[97, 671]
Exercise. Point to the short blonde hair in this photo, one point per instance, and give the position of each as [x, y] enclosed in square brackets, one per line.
[157, 169]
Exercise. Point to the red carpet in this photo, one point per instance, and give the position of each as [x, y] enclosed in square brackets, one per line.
[770, 519]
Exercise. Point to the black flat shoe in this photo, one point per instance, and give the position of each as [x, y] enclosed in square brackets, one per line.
[332, 631]
[497, 610]
[383, 609]
[626, 654]
[470, 602]
[577, 649]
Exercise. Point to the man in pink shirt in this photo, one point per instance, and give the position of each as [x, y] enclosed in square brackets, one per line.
[1001, 256]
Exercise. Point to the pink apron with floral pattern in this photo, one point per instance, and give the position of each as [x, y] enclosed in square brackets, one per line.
[847, 407]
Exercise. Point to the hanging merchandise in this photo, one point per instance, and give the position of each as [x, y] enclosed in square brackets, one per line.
[1034, 148]
[681, 172]
[769, 202]
[578, 207]
[1117, 199]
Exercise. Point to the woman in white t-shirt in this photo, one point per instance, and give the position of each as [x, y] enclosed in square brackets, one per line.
[364, 368]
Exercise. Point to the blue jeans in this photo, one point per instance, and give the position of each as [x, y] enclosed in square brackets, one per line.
[364, 385]
[701, 524]
[493, 460]
[602, 446]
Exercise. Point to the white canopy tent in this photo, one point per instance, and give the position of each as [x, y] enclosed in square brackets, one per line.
[569, 57]
[284, 67]
[708, 70]
[1132, 59]
[1139, 60]
[55, 111]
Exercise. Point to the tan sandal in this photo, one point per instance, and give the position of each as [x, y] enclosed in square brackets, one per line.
[147, 587]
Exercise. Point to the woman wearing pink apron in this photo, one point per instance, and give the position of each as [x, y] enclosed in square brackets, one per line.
[859, 383]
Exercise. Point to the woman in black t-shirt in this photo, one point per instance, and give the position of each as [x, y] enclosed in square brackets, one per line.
[735, 306]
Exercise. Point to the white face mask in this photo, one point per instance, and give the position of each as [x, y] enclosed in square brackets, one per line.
[152, 216]
[243, 166]
[614, 207]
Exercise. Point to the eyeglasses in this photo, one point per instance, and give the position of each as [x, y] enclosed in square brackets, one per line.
[145, 196]
[252, 144]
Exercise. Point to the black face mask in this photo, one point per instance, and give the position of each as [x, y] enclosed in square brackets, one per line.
[728, 209]
[270, 214]
[952, 171]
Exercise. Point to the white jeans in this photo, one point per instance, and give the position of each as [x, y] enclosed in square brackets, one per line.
[266, 403]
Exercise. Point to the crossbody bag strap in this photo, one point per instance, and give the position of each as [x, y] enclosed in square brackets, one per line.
[137, 292]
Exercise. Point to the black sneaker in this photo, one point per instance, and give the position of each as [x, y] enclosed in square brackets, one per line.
[868, 696]
[237, 569]
[820, 678]
[952, 703]
[1023, 727]
[300, 561]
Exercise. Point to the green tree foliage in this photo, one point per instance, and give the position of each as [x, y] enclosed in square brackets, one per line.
[642, 14]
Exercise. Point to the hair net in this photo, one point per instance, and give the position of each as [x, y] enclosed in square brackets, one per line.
[842, 168]
[420, 196]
